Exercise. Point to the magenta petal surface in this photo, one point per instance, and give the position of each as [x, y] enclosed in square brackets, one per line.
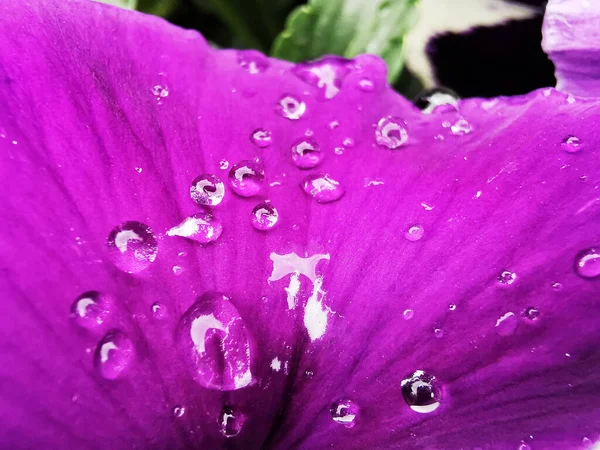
[447, 300]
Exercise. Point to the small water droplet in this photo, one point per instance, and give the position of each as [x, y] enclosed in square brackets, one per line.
[264, 216]
[366, 85]
[348, 142]
[90, 309]
[506, 324]
[531, 313]
[160, 92]
[231, 422]
[132, 246]
[415, 233]
[178, 270]
[201, 227]
[326, 74]
[306, 153]
[253, 61]
[583, 178]
[207, 190]
[214, 343]
[408, 314]
[114, 354]
[438, 333]
[322, 188]
[179, 411]
[571, 144]
[557, 286]
[429, 100]
[587, 263]
[334, 124]
[524, 446]
[507, 277]
[391, 132]
[158, 311]
[452, 307]
[461, 127]
[421, 391]
[138, 169]
[223, 164]
[344, 412]
[338, 150]
[309, 374]
[291, 108]
[261, 137]
[246, 178]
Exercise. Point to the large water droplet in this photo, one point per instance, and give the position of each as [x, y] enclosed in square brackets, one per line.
[430, 99]
[306, 153]
[114, 354]
[253, 61]
[132, 246]
[246, 178]
[264, 216]
[261, 137]
[344, 412]
[507, 277]
[213, 340]
[291, 108]
[571, 144]
[587, 263]
[415, 233]
[322, 188]
[231, 422]
[421, 391]
[201, 227]
[90, 309]
[391, 132]
[207, 190]
[507, 324]
[326, 74]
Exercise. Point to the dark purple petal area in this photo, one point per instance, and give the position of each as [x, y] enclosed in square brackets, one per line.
[447, 300]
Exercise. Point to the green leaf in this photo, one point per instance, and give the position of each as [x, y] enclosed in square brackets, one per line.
[160, 8]
[347, 28]
[125, 4]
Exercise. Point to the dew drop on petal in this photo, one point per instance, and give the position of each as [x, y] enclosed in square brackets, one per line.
[326, 74]
[408, 314]
[160, 92]
[264, 216]
[421, 391]
[90, 309]
[557, 286]
[114, 354]
[223, 164]
[461, 127]
[344, 412]
[531, 313]
[261, 137]
[348, 142]
[201, 227]
[306, 153]
[207, 190]
[159, 312]
[253, 61]
[246, 178]
[132, 246]
[213, 341]
[429, 100]
[438, 332]
[587, 263]
[391, 132]
[322, 188]
[452, 307]
[334, 124]
[231, 422]
[571, 144]
[179, 411]
[524, 446]
[414, 233]
[506, 324]
[507, 277]
[366, 85]
[291, 108]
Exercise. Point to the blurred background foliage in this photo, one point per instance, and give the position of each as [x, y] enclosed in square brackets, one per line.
[474, 47]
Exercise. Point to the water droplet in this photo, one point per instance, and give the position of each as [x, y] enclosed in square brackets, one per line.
[214, 343]
[524, 446]
[507, 277]
[322, 188]
[160, 92]
[223, 164]
[326, 74]
[201, 227]
[438, 333]
[531, 313]
[253, 61]
[246, 178]
[557, 286]
[571, 144]
[348, 142]
[461, 127]
[179, 411]
[583, 178]
[452, 307]
[158, 311]
[408, 314]
[507, 324]
[334, 124]
[264, 216]
[207, 190]
[344, 412]
[90, 309]
[261, 137]
[421, 391]
[138, 169]
[306, 153]
[309, 374]
[366, 85]
[415, 233]
[587, 263]
[231, 422]
[339, 150]
[291, 108]
[391, 132]
[114, 354]
[430, 99]
[132, 246]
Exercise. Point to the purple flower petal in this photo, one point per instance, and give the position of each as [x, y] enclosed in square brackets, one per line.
[447, 300]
